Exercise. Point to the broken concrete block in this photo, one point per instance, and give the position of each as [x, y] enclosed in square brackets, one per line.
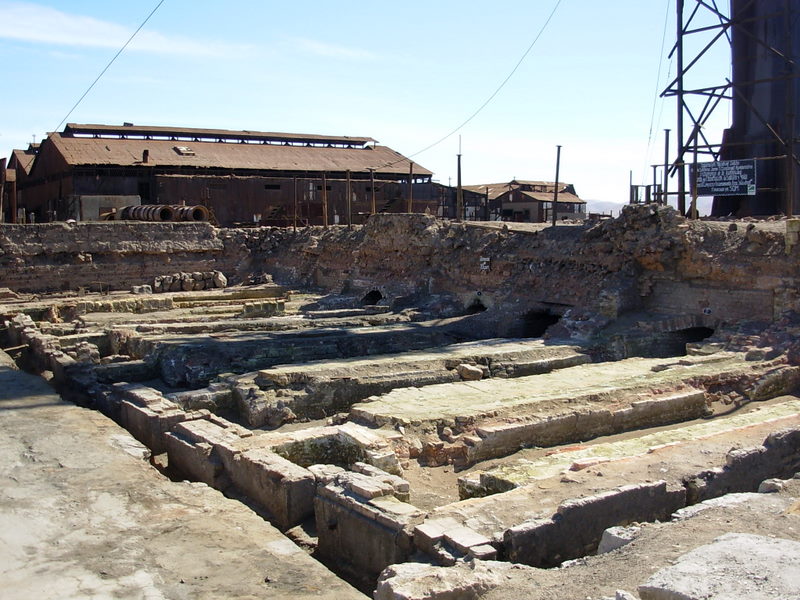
[735, 565]
[468, 580]
[616, 537]
[220, 281]
[325, 473]
[366, 487]
[483, 552]
[429, 533]
[469, 372]
[463, 538]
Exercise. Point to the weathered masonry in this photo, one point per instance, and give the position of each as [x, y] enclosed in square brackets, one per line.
[415, 399]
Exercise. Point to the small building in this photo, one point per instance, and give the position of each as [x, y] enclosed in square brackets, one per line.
[532, 201]
[13, 175]
[242, 177]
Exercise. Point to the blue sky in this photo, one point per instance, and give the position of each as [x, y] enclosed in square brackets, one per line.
[404, 73]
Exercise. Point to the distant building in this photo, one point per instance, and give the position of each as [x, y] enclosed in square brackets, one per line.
[243, 177]
[13, 175]
[531, 201]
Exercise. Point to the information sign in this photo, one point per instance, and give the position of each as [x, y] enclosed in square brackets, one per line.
[727, 178]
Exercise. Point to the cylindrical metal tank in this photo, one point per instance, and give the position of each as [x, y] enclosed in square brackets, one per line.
[191, 213]
[765, 42]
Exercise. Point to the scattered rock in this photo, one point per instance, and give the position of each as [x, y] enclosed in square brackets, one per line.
[617, 537]
[769, 486]
[469, 372]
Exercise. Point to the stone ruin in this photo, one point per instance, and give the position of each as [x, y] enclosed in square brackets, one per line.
[439, 410]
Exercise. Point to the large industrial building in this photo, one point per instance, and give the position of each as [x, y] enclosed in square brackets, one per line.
[241, 176]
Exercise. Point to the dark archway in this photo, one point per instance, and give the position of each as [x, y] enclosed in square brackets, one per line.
[536, 322]
[372, 298]
[476, 307]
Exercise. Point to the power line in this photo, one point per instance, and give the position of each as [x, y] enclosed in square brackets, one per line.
[490, 98]
[111, 62]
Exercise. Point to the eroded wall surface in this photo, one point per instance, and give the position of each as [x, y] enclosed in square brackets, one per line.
[650, 258]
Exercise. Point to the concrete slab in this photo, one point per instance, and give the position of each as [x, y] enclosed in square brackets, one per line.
[80, 517]
[734, 566]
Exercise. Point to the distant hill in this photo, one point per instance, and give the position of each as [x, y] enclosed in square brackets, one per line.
[602, 206]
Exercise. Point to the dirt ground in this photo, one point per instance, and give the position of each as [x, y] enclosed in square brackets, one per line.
[84, 515]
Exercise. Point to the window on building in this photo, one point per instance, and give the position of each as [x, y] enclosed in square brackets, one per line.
[184, 150]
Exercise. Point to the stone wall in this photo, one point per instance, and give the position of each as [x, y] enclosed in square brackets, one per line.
[102, 256]
[649, 258]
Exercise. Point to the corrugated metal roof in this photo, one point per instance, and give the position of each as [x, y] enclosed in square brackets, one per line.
[212, 134]
[498, 189]
[24, 158]
[495, 189]
[564, 197]
[549, 184]
[108, 151]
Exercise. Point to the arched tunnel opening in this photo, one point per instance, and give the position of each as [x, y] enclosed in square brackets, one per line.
[694, 334]
[476, 307]
[371, 298]
[668, 343]
[536, 322]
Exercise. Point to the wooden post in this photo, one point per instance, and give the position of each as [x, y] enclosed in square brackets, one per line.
[459, 192]
[373, 207]
[324, 200]
[349, 203]
[294, 203]
[555, 187]
[410, 201]
[665, 186]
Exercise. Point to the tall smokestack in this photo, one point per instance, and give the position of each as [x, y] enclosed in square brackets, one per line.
[765, 43]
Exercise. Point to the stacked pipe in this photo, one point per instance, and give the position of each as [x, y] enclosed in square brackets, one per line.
[190, 213]
[162, 212]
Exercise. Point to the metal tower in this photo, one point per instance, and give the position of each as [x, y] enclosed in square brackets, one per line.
[763, 91]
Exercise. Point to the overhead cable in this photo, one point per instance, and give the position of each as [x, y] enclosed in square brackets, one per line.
[111, 62]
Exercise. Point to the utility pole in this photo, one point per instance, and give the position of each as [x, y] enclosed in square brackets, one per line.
[324, 200]
[294, 203]
[555, 187]
[665, 185]
[373, 206]
[349, 203]
[459, 190]
[410, 201]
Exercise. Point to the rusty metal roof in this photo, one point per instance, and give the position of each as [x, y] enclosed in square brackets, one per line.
[24, 158]
[495, 189]
[564, 197]
[195, 134]
[243, 155]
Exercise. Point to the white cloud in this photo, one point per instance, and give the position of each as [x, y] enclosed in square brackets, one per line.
[30, 22]
[331, 50]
